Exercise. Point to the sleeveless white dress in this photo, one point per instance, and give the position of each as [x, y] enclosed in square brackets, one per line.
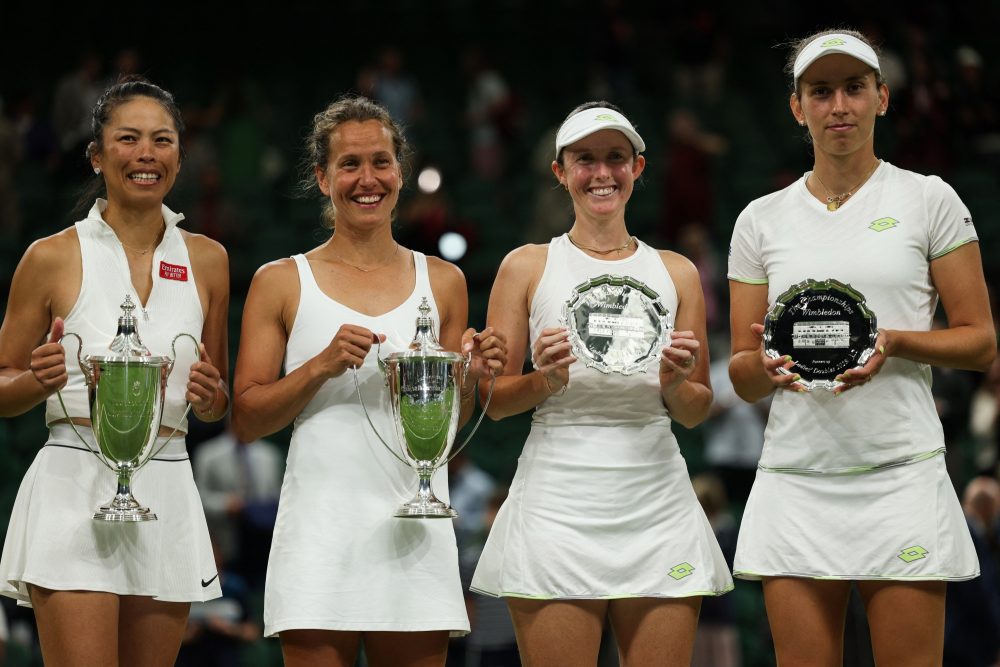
[339, 559]
[601, 505]
[52, 541]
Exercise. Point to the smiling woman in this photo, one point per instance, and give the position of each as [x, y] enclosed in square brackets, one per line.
[132, 583]
[343, 571]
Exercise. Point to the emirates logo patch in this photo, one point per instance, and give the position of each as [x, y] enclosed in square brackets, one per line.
[173, 272]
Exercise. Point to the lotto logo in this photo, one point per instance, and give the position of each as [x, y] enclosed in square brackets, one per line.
[681, 571]
[910, 554]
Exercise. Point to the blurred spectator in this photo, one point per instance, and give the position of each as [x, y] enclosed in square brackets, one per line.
[972, 617]
[10, 154]
[734, 433]
[983, 413]
[976, 106]
[218, 630]
[490, 114]
[717, 643]
[700, 52]
[553, 213]
[923, 110]
[688, 185]
[239, 484]
[470, 491]
[694, 243]
[491, 642]
[396, 90]
[76, 94]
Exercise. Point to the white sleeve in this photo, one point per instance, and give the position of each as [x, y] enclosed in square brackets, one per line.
[745, 265]
[949, 223]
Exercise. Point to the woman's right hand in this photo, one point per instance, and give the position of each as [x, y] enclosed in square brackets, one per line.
[551, 355]
[48, 361]
[348, 349]
[778, 379]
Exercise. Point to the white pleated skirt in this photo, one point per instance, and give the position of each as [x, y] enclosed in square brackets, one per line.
[601, 512]
[53, 542]
[902, 523]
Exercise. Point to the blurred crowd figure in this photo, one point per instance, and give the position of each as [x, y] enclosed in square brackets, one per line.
[239, 484]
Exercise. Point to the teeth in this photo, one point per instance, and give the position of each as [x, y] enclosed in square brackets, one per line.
[601, 192]
[145, 177]
[368, 199]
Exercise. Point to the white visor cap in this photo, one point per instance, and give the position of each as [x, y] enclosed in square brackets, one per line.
[834, 43]
[585, 123]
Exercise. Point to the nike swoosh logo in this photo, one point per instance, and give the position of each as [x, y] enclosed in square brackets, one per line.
[206, 584]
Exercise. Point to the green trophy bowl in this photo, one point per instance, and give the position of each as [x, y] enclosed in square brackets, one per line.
[425, 397]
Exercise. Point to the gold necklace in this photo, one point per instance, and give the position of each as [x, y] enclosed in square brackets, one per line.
[625, 245]
[374, 268]
[833, 202]
[141, 252]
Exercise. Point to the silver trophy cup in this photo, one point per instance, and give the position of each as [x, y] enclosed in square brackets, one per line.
[125, 391]
[425, 394]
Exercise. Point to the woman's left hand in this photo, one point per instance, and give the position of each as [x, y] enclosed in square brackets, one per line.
[203, 385]
[677, 361]
[489, 352]
[855, 377]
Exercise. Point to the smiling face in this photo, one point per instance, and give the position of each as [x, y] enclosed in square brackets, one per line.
[600, 173]
[838, 100]
[139, 156]
[362, 177]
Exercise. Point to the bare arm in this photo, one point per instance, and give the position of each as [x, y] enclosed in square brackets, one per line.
[265, 402]
[32, 364]
[968, 342]
[684, 381]
[508, 312]
[488, 347]
[754, 375]
[208, 382]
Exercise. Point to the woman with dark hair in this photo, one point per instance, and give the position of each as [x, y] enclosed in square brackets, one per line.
[107, 593]
[852, 485]
[343, 571]
[601, 521]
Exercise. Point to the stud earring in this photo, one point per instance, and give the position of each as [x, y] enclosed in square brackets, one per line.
[802, 123]
[97, 170]
[882, 112]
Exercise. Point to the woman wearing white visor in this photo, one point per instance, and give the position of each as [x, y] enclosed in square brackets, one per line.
[852, 485]
[601, 521]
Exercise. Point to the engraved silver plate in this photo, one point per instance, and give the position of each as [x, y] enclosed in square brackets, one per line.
[616, 324]
[825, 327]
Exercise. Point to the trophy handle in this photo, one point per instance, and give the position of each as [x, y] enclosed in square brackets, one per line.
[357, 386]
[489, 396]
[187, 408]
[89, 379]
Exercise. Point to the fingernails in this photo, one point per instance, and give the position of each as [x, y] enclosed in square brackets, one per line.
[881, 349]
[787, 358]
[796, 377]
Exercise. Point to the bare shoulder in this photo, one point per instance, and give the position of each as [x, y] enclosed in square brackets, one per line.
[527, 257]
[52, 252]
[445, 274]
[274, 275]
[204, 250]
[680, 268]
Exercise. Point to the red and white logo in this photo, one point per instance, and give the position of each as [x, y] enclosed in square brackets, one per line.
[173, 272]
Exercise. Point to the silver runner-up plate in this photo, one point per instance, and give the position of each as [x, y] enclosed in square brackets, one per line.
[616, 324]
[825, 327]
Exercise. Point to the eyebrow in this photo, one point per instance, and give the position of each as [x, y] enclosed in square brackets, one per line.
[853, 77]
[138, 131]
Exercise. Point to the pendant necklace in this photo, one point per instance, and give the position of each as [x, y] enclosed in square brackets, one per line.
[373, 268]
[833, 202]
[630, 241]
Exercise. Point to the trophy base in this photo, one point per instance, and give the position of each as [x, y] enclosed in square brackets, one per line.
[124, 516]
[124, 509]
[434, 509]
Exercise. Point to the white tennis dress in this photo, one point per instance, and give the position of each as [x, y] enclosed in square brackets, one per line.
[52, 541]
[601, 505]
[339, 559]
[855, 486]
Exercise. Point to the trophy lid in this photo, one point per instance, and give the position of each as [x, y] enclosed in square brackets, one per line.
[126, 345]
[425, 342]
